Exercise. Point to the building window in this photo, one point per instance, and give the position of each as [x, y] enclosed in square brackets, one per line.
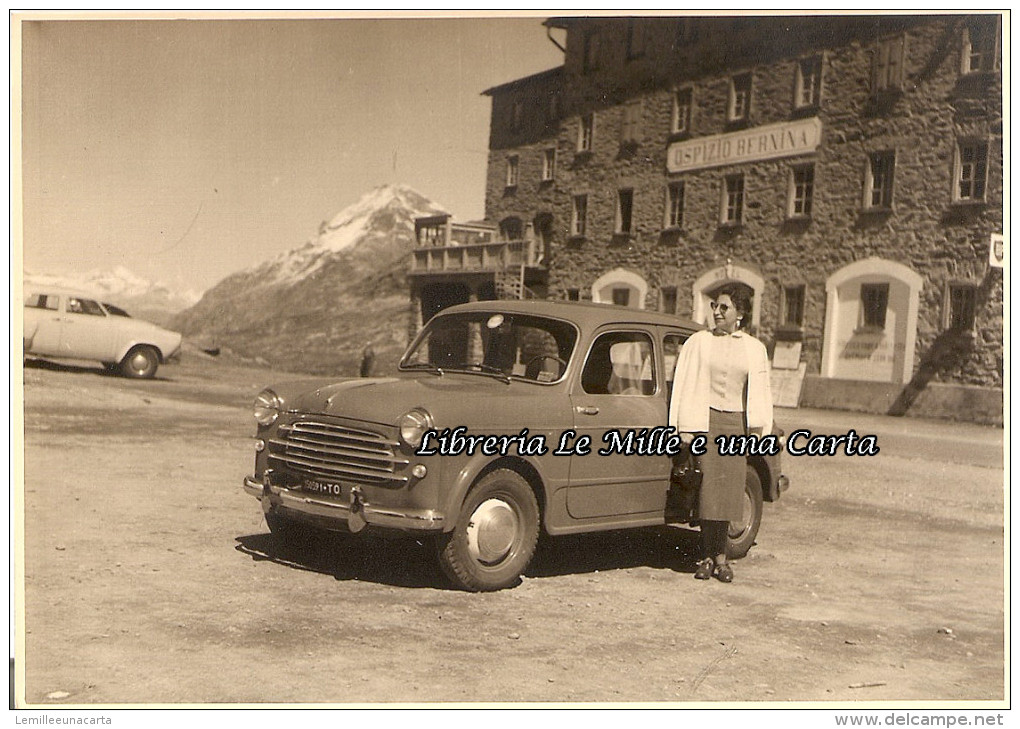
[733, 200]
[635, 38]
[549, 164]
[621, 297]
[874, 303]
[887, 64]
[511, 228]
[586, 133]
[573, 294]
[971, 171]
[517, 120]
[802, 191]
[740, 98]
[579, 216]
[808, 85]
[512, 171]
[624, 210]
[793, 306]
[630, 129]
[980, 45]
[878, 182]
[667, 299]
[683, 108]
[961, 310]
[675, 205]
[552, 112]
[591, 52]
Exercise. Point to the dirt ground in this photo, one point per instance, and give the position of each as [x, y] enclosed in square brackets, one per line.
[150, 577]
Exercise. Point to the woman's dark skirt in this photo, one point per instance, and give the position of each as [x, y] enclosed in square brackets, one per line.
[722, 487]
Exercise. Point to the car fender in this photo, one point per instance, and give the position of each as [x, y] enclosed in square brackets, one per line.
[468, 472]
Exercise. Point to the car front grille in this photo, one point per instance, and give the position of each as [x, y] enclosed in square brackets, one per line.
[329, 451]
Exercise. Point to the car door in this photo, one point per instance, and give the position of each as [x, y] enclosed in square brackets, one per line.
[618, 390]
[87, 332]
[43, 321]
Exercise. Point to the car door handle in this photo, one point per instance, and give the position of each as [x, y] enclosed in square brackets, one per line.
[586, 410]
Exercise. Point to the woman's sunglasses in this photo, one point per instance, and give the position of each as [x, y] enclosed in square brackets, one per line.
[722, 308]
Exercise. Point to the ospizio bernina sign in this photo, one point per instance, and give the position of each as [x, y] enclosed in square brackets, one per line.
[748, 145]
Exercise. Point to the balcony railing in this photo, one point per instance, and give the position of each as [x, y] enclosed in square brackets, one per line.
[487, 256]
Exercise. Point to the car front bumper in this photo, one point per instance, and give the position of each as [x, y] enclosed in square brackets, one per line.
[352, 514]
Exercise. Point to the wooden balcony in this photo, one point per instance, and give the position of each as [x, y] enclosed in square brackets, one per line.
[448, 247]
[476, 257]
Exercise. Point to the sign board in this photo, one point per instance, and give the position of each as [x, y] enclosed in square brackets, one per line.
[748, 145]
[787, 355]
[786, 386]
[997, 250]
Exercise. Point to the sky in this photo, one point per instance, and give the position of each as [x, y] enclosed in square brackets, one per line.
[186, 150]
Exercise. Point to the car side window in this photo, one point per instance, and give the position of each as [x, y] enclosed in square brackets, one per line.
[84, 306]
[620, 363]
[42, 301]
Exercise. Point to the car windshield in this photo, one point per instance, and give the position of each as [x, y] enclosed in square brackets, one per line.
[508, 345]
[115, 310]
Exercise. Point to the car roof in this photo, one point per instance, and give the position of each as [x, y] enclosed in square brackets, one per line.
[585, 314]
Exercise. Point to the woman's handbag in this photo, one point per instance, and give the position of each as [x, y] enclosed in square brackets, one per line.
[685, 486]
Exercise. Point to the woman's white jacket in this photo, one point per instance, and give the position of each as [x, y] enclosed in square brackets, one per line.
[689, 403]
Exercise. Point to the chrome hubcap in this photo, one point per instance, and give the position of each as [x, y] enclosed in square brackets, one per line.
[491, 531]
[139, 363]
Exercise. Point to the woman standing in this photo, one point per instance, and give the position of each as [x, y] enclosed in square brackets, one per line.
[721, 388]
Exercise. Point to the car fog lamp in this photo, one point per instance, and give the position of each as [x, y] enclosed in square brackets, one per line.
[419, 470]
[413, 425]
[260, 445]
[267, 407]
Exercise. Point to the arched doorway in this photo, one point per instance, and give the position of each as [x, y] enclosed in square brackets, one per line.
[712, 280]
[620, 287]
[871, 321]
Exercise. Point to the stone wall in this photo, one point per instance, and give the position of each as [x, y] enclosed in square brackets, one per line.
[925, 231]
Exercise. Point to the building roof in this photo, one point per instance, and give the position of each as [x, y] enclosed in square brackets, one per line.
[525, 81]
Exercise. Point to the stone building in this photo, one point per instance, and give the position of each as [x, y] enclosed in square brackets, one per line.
[848, 169]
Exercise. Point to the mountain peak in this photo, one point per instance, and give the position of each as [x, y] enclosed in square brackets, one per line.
[349, 226]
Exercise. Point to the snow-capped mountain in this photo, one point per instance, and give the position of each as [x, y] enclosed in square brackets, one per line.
[123, 287]
[315, 307]
[380, 218]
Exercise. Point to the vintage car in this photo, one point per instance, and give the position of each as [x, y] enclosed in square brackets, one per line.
[540, 378]
[61, 323]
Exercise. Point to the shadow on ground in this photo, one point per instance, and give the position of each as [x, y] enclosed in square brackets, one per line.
[412, 562]
[96, 370]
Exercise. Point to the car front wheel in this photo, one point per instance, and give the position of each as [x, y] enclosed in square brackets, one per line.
[743, 531]
[495, 535]
[141, 363]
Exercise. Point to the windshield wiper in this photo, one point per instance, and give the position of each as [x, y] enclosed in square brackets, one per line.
[435, 369]
[489, 369]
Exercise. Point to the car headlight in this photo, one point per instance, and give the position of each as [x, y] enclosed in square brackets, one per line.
[267, 407]
[413, 425]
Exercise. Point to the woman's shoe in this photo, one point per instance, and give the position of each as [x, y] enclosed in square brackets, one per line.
[704, 570]
[724, 573]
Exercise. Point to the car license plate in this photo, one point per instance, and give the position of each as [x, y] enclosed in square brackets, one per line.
[322, 487]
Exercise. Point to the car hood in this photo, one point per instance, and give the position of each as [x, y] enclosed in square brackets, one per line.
[142, 328]
[452, 399]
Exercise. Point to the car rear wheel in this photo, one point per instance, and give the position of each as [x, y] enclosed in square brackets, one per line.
[743, 531]
[140, 363]
[495, 535]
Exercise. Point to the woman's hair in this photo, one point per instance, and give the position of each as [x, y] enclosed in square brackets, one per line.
[741, 296]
